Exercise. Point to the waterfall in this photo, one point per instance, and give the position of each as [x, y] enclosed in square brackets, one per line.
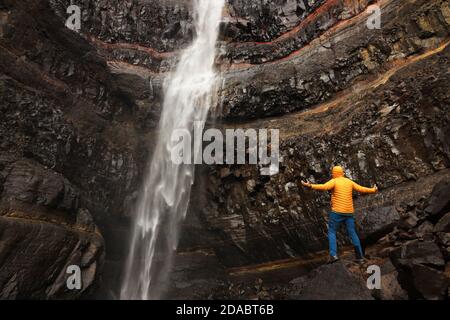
[164, 198]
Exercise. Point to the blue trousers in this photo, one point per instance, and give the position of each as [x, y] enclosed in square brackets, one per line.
[333, 226]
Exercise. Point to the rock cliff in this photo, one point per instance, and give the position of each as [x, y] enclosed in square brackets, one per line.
[79, 118]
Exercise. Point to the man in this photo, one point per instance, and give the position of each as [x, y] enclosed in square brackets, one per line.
[342, 209]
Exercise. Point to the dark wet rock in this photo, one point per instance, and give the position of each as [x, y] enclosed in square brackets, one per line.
[333, 282]
[314, 19]
[35, 256]
[166, 25]
[263, 21]
[122, 31]
[320, 70]
[28, 182]
[439, 202]
[377, 222]
[423, 230]
[423, 282]
[419, 252]
[66, 141]
[390, 286]
[67, 121]
[443, 225]
[420, 266]
[43, 230]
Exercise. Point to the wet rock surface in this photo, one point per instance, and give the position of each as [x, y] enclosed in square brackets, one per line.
[332, 282]
[165, 25]
[68, 152]
[296, 29]
[331, 63]
[43, 231]
[264, 21]
[440, 202]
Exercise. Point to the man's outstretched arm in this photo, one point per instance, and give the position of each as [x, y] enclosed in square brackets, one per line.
[362, 189]
[324, 187]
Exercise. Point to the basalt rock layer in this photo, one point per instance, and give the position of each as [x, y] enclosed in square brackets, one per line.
[79, 117]
[67, 146]
[332, 61]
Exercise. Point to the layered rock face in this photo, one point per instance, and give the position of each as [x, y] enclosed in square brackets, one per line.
[392, 136]
[79, 118]
[67, 146]
[293, 77]
[43, 232]
[390, 128]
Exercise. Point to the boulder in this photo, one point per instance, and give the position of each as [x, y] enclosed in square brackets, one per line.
[375, 223]
[34, 257]
[31, 183]
[424, 282]
[333, 282]
[43, 231]
[418, 264]
[418, 252]
[296, 287]
[390, 286]
[439, 202]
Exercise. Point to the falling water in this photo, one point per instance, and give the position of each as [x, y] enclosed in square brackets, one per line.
[164, 199]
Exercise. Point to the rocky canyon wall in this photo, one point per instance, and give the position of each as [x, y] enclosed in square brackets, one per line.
[80, 110]
[382, 113]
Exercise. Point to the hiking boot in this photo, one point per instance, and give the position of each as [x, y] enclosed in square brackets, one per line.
[332, 259]
[359, 257]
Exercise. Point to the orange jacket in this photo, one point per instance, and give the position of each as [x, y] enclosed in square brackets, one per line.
[342, 196]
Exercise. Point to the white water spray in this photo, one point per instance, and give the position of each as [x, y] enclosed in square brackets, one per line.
[164, 199]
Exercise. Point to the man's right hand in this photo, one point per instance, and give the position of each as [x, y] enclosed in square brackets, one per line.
[376, 188]
[306, 184]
